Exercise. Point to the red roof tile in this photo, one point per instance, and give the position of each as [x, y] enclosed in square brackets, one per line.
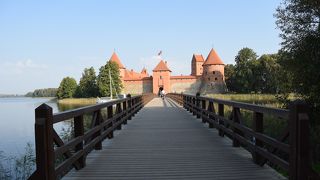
[198, 57]
[213, 59]
[162, 66]
[116, 59]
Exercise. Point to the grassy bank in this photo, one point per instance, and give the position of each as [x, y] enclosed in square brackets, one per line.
[77, 101]
[269, 100]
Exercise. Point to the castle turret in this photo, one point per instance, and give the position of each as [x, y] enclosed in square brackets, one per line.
[213, 73]
[196, 65]
[161, 77]
[144, 73]
[122, 69]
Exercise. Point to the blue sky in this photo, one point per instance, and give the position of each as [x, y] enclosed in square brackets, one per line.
[41, 42]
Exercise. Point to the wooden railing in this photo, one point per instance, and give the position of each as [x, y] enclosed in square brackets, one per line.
[54, 157]
[290, 152]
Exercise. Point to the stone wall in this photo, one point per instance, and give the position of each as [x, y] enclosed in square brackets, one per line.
[137, 86]
[213, 87]
[188, 86]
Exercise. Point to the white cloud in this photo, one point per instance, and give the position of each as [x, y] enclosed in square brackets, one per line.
[21, 66]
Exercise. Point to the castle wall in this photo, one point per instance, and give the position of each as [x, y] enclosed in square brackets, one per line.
[138, 86]
[185, 85]
[214, 73]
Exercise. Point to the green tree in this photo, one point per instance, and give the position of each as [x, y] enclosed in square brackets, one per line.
[103, 80]
[88, 84]
[244, 78]
[299, 22]
[67, 88]
[269, 72]
[229, 74]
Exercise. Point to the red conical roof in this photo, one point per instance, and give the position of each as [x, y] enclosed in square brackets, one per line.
[115, 58]
[213, 59]
[162, 66]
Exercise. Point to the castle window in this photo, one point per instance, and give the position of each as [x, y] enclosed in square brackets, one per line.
[160, 77]
[215, 79]
[214, 72]
[208, 79]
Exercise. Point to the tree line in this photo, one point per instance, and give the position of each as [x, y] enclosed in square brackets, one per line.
[253, 74]
[294, 69]
[47, 92]
[91, 85]
[299, 22]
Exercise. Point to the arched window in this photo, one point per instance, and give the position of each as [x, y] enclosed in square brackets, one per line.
[215, 79]
[214, 72]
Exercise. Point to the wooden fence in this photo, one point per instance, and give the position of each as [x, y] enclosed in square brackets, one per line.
[290, 152]
[54, 157]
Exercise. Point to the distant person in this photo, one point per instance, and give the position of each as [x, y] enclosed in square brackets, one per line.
[162, 94]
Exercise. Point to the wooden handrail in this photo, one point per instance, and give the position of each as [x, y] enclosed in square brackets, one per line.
[49, 146]
[294, 155]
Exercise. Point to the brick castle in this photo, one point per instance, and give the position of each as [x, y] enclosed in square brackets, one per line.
[207, 76]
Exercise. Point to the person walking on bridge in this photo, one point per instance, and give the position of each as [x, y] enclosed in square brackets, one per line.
[162, 93]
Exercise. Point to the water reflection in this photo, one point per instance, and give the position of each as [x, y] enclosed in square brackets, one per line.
[17, 121]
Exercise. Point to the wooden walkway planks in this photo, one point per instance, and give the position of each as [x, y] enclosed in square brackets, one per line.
[163, 141]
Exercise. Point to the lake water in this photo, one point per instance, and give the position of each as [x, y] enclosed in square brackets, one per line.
[17, 122]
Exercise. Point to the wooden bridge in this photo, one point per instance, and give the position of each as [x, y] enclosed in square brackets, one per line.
[164, 141]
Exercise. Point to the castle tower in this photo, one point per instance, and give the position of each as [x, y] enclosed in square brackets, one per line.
[213, 74]
[161, 77]
[196, 65]
[115, 58]
[144, 73]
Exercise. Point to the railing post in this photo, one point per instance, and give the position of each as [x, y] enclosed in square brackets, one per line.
[129, 106]
[110, 116]
[118, 111]
[257, 127]
[134, 101]
[124, 107]
[236, 119]
[98, 146]
[44, 143]
[198, 105]
[299, 162]
[193, 106]
[203, 109]
[221, 122]
[211, 110]
[79, 131]
[187, 103]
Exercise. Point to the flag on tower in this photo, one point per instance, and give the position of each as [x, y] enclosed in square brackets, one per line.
[160, 53]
